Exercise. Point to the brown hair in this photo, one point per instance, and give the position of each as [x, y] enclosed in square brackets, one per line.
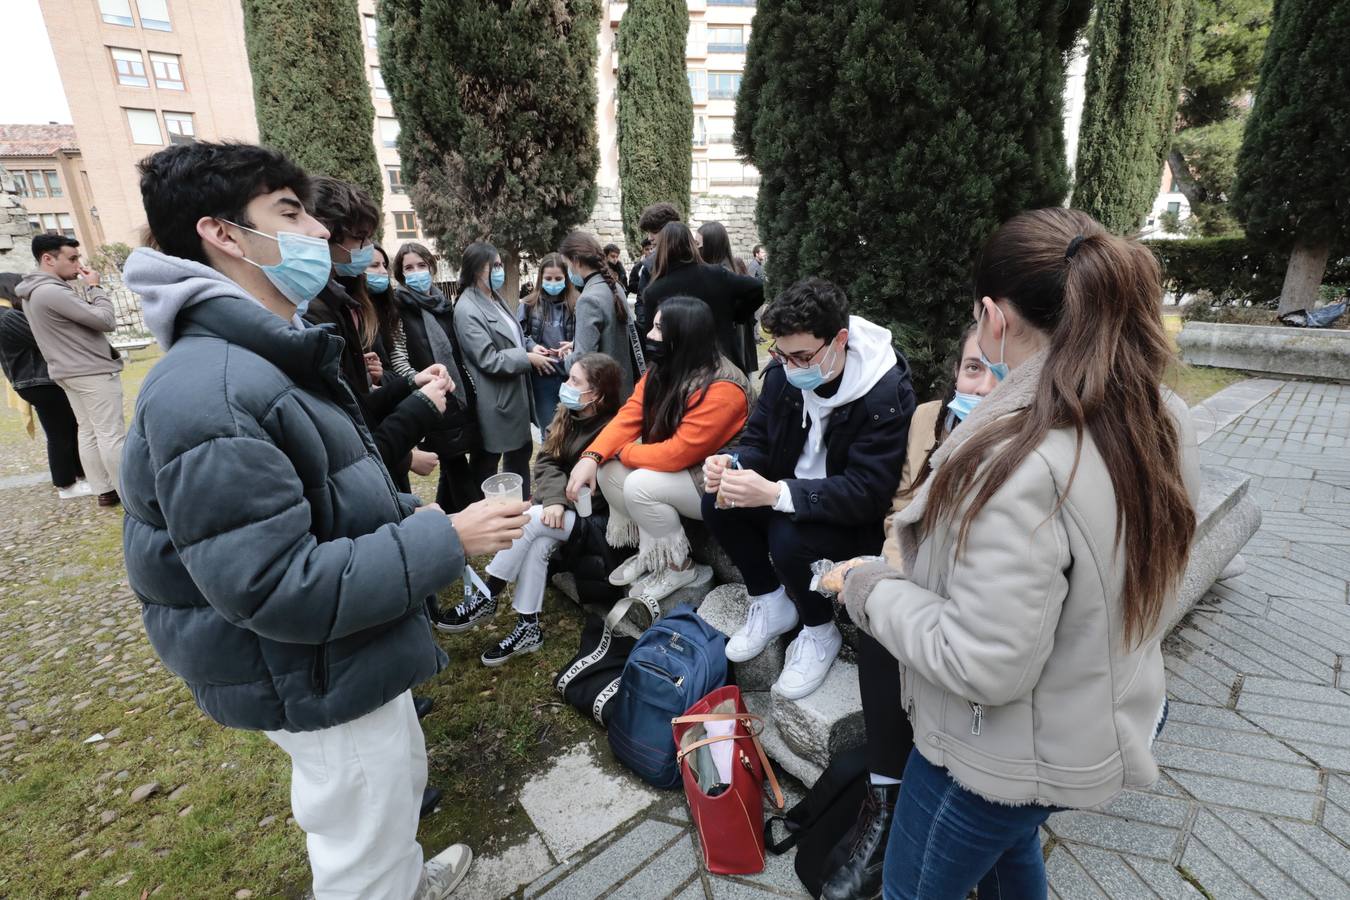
[346, 210]
[716, 249]
[386, 308]
[584, 248]
[674, 246]
[1097, 298]
[940, 430]
[552, 261]
[413, 247]
[603, 374]
[657, 216]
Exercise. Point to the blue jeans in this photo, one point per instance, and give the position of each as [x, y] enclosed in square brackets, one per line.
[945, 840]
[545, 398]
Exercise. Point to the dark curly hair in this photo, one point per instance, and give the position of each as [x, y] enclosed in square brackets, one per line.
[184, 182]
[812, 304]
[658, 216]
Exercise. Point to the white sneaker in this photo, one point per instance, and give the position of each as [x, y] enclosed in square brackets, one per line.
[80, 488]
[766, 620]
[661, 585]
[808, 662]
[443, 872]
[629, 572]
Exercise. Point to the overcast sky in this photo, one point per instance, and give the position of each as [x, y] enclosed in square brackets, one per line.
[34, 93]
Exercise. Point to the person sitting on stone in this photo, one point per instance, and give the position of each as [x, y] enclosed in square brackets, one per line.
[692, 401]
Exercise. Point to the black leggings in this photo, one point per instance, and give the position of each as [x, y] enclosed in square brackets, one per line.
[485, 465]
[62, 431]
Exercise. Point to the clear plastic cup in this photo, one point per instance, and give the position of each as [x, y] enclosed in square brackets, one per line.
[505, 488]
[584, 503]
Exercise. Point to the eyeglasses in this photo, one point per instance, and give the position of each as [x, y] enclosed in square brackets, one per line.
[801, 359]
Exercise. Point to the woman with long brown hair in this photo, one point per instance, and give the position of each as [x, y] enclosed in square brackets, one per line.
[1036, 564]
[548, 319]
[604, 323]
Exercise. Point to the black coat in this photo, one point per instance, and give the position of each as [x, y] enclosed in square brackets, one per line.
[456, 431]
[20, 359]
[733, 299]
[865, 445]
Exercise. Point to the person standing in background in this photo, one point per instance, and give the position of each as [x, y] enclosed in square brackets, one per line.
[71, 328]
[547, 316]
[612, 259]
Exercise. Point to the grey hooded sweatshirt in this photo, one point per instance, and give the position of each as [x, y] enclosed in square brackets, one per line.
[71, 329]
[281, 574]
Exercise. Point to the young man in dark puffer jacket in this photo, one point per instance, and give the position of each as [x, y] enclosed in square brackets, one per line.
[281, 575]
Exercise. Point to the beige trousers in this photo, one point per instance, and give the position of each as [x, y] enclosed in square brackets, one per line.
[645, 508]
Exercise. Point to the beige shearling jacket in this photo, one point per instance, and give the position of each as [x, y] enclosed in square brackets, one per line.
[1014, 668]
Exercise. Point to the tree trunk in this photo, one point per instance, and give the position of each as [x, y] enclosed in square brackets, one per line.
[1182, 180]
[1307, 265]
[511, 289]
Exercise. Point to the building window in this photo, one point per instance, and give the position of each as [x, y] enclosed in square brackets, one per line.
[154, 14]
[731, 172]
[698, 85]
[20, 183]
[372, 32]
[180, 127]
[388, 131]
[35, 224]
[396, 180]
[168, 71]
[698, 175]
[377, 83]
[144, 126]
[116, 12]
[53, 183]
[37, 184]
[723, 85]
[731, 2]
[700, 131]
[1174, 207]
[720, 129]
[130, 67]
[726, 40]
[53, 223]
[405, 224]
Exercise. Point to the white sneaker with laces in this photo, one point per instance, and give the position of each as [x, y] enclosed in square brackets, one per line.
[768, 617]
[629, 572]
[443, 872]
[808, 662]
[661, 585]
[80, 488]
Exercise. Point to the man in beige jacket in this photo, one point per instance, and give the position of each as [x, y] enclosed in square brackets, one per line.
[70, 325]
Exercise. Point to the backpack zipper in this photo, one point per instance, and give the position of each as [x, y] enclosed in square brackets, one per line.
[677, 680]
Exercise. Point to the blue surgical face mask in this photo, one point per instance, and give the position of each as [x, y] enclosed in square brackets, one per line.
[304, 267]
[999, 369]
[570, 397]
[497, 278]
[362, 257]
[377, 284]
[418, 281]
[809, 378]
[964, 404]
[577, 280]
[554, 288]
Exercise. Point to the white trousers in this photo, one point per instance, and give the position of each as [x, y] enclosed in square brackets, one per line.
[525, 562]
[356, 790]
[96, 401]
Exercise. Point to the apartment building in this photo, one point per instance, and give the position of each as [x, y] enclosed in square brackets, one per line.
[719, 31]
[51, 180]
[400, 221]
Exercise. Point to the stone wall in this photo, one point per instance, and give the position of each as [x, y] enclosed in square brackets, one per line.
[1320, 353]
[16, 253]
[736, 213]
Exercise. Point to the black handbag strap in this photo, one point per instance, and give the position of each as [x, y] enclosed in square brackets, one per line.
[778, 848]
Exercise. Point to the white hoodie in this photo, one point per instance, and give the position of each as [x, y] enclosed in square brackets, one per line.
[869, 356]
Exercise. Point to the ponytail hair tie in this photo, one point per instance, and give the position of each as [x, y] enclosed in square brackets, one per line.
[1073, 246]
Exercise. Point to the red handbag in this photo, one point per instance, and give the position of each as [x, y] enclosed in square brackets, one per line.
[730, 823]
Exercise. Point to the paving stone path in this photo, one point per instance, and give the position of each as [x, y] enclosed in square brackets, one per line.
[1255, 795]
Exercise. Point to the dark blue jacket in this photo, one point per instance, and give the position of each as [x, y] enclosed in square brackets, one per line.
[865, 443]
[281, 574]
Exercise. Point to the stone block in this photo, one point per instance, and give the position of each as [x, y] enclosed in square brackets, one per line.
[804, 770]
[707, 551]
[827, 722]
[725, 609]
[1321, 353]
[615, 862]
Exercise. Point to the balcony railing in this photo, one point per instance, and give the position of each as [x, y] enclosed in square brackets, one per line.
[733, 180]
[727, 48]
[730, 2]
[719, 138]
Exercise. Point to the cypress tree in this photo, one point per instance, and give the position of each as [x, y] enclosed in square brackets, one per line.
[1137, 60]
[656, 112]
[496, 110]
[310, 89]
[892, 149]
[1293, 172]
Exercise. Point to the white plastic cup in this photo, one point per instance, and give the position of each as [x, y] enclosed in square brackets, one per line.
[584, 503]
[504, 488]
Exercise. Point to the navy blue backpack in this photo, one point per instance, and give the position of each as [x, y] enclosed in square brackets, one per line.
[677, 661]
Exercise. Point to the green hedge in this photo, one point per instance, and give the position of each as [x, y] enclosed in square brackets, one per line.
[1232, 269]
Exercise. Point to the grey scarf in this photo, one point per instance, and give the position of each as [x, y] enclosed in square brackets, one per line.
[442, 351]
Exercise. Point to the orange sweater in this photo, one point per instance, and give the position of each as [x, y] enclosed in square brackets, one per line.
[703, 430]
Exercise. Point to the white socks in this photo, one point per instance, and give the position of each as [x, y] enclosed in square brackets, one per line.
[822, 632]
[881, 780]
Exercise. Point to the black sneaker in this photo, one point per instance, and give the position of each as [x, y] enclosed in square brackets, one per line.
[477, 605]
[526, 637]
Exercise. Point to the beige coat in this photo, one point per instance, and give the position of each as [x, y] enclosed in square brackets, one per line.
[1014, 670]
[921, 443]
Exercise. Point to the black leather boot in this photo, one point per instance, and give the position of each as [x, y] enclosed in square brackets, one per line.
[859, 877]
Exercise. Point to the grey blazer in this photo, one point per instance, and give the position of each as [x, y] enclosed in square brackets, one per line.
[492, 345]
[600, 331]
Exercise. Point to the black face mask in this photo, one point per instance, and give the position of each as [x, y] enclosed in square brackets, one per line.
[654, 351]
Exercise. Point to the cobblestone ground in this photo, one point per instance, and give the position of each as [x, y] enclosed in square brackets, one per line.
[1255, 795]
